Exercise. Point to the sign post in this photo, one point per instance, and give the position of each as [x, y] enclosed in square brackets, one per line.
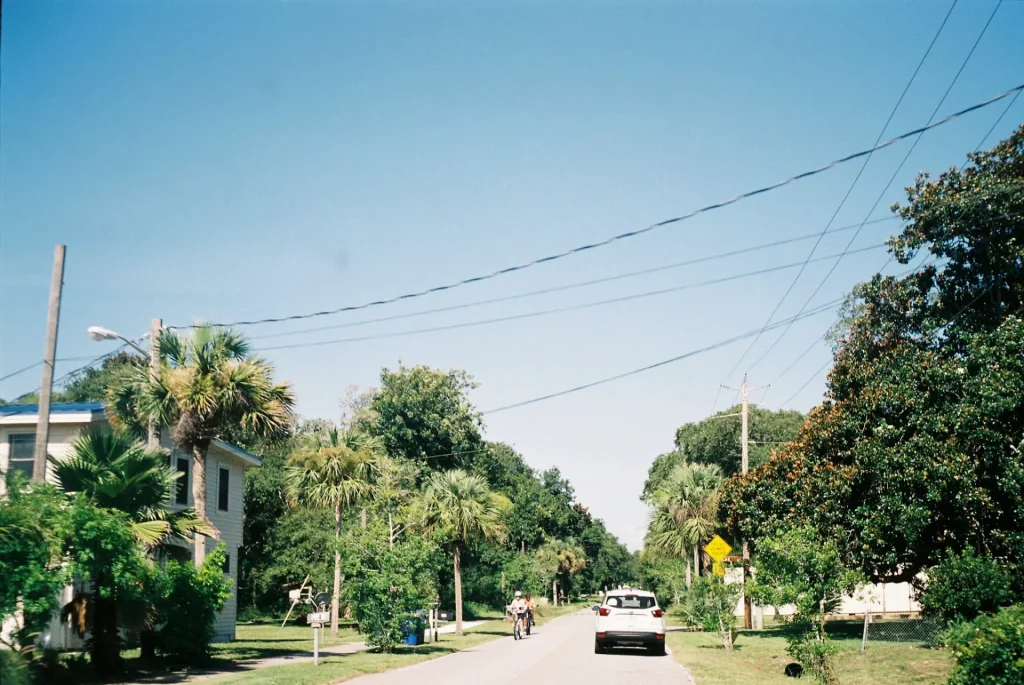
[317, 619]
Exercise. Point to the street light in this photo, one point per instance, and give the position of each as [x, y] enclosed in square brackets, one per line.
[99, 333]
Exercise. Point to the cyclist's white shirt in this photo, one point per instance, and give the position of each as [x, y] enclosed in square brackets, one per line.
[518, 606]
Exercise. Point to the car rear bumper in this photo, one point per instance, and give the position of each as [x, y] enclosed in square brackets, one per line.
[625, 638]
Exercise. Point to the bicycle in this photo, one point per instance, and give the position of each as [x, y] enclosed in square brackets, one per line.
[517, 627]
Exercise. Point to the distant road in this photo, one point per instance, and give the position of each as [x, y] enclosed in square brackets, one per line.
[560, 652]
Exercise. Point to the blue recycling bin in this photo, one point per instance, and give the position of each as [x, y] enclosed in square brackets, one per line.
[413, 627]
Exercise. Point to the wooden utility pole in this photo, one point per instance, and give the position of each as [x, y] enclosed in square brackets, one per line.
[745, 466]
[155, 327]
[49, 357]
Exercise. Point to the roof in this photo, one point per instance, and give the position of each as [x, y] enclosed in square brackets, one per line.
[87, 412]
[55, 408]
[60, 412]
[628, 591]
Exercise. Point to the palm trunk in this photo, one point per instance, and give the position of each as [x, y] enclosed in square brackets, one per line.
[105, 647]
[337, 569]
[689, 579]
[696, 560]
[362, 518]
[458, 591]
[554, 592]
[199, 498]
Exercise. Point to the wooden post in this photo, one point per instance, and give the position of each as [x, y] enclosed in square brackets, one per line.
[49, 358]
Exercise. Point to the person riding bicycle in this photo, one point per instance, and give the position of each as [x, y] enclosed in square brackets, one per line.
[530, 606]
[519, 610]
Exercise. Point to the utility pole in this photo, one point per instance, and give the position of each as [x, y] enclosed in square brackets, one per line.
[744, 391]
[49, 356]
[156, 325]
[745, 466]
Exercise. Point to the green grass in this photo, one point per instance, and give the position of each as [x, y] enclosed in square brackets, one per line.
[333, 669]
[759, 658]
[264, 641]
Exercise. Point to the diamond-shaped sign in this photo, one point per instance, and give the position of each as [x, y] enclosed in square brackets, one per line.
[718, 548]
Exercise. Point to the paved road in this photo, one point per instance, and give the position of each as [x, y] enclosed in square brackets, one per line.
[559, 652]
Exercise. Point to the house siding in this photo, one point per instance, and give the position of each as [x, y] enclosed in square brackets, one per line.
[229, 523]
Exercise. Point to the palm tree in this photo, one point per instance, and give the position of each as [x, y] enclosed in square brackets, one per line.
[686, 511]
[114, 471]
[117, 472]
[460, 508]
[206, 384]
[334, 470]
[562, 560]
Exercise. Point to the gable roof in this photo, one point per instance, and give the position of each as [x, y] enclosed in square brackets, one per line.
[88, 412]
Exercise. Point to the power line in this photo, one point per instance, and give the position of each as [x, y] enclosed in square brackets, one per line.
[924, 262]
[935, 332]
[818, 310]
[561, 288]
[846, 197]
[12, 374]
[1005, 110]
[892, 179]
[545, 312]
[631, 234]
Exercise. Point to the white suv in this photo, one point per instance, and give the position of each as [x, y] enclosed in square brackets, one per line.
[630, 618]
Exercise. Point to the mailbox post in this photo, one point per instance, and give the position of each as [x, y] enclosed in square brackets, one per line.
[317, 619]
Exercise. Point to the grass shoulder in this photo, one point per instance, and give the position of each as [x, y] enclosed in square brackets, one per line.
[759, 658]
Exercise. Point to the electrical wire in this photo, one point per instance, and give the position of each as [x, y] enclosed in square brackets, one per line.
[630, 234]
[935, 332]
[560, 288]
[999, 120]
[686, 355]
[12, 374]
[545, 312]
[846, 197]
[892, 179]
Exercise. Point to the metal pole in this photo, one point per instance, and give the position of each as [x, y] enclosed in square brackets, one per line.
[49, 355]
[745, 465]
[156, 325]
[867, 619]
[316, 646]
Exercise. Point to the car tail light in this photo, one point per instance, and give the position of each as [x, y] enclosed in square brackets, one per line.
[658, 613]
[659, 636]
[604, 611]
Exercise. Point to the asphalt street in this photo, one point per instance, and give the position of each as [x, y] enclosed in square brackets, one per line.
[560, 652]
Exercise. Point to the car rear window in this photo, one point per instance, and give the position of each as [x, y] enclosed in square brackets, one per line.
[630, 602]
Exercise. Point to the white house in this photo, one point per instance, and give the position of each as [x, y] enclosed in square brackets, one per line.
[225, 484]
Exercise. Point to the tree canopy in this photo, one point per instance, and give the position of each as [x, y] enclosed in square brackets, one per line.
[916, 449]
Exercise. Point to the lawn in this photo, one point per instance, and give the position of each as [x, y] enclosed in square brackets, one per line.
[760, 656]
[336, 668]
[266, 640]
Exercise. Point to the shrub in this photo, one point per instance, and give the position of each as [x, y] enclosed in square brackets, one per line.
[963, 586]
[187, 601]
[14, 668]
[385, 584]
[710, 604]
[990, 649]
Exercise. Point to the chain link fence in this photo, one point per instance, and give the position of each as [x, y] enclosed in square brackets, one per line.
[900, 627]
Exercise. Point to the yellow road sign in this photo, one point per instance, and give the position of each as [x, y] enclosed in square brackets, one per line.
[718, 568]
[718, 548]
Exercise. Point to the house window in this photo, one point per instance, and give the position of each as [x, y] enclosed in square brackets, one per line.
[181, 487]
[227, 563]
[222, 490]
[22, 453]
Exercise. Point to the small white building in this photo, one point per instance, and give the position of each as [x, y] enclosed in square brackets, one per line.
[225, 485]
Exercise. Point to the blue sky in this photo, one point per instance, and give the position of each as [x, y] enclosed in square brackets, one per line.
[232, 160]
